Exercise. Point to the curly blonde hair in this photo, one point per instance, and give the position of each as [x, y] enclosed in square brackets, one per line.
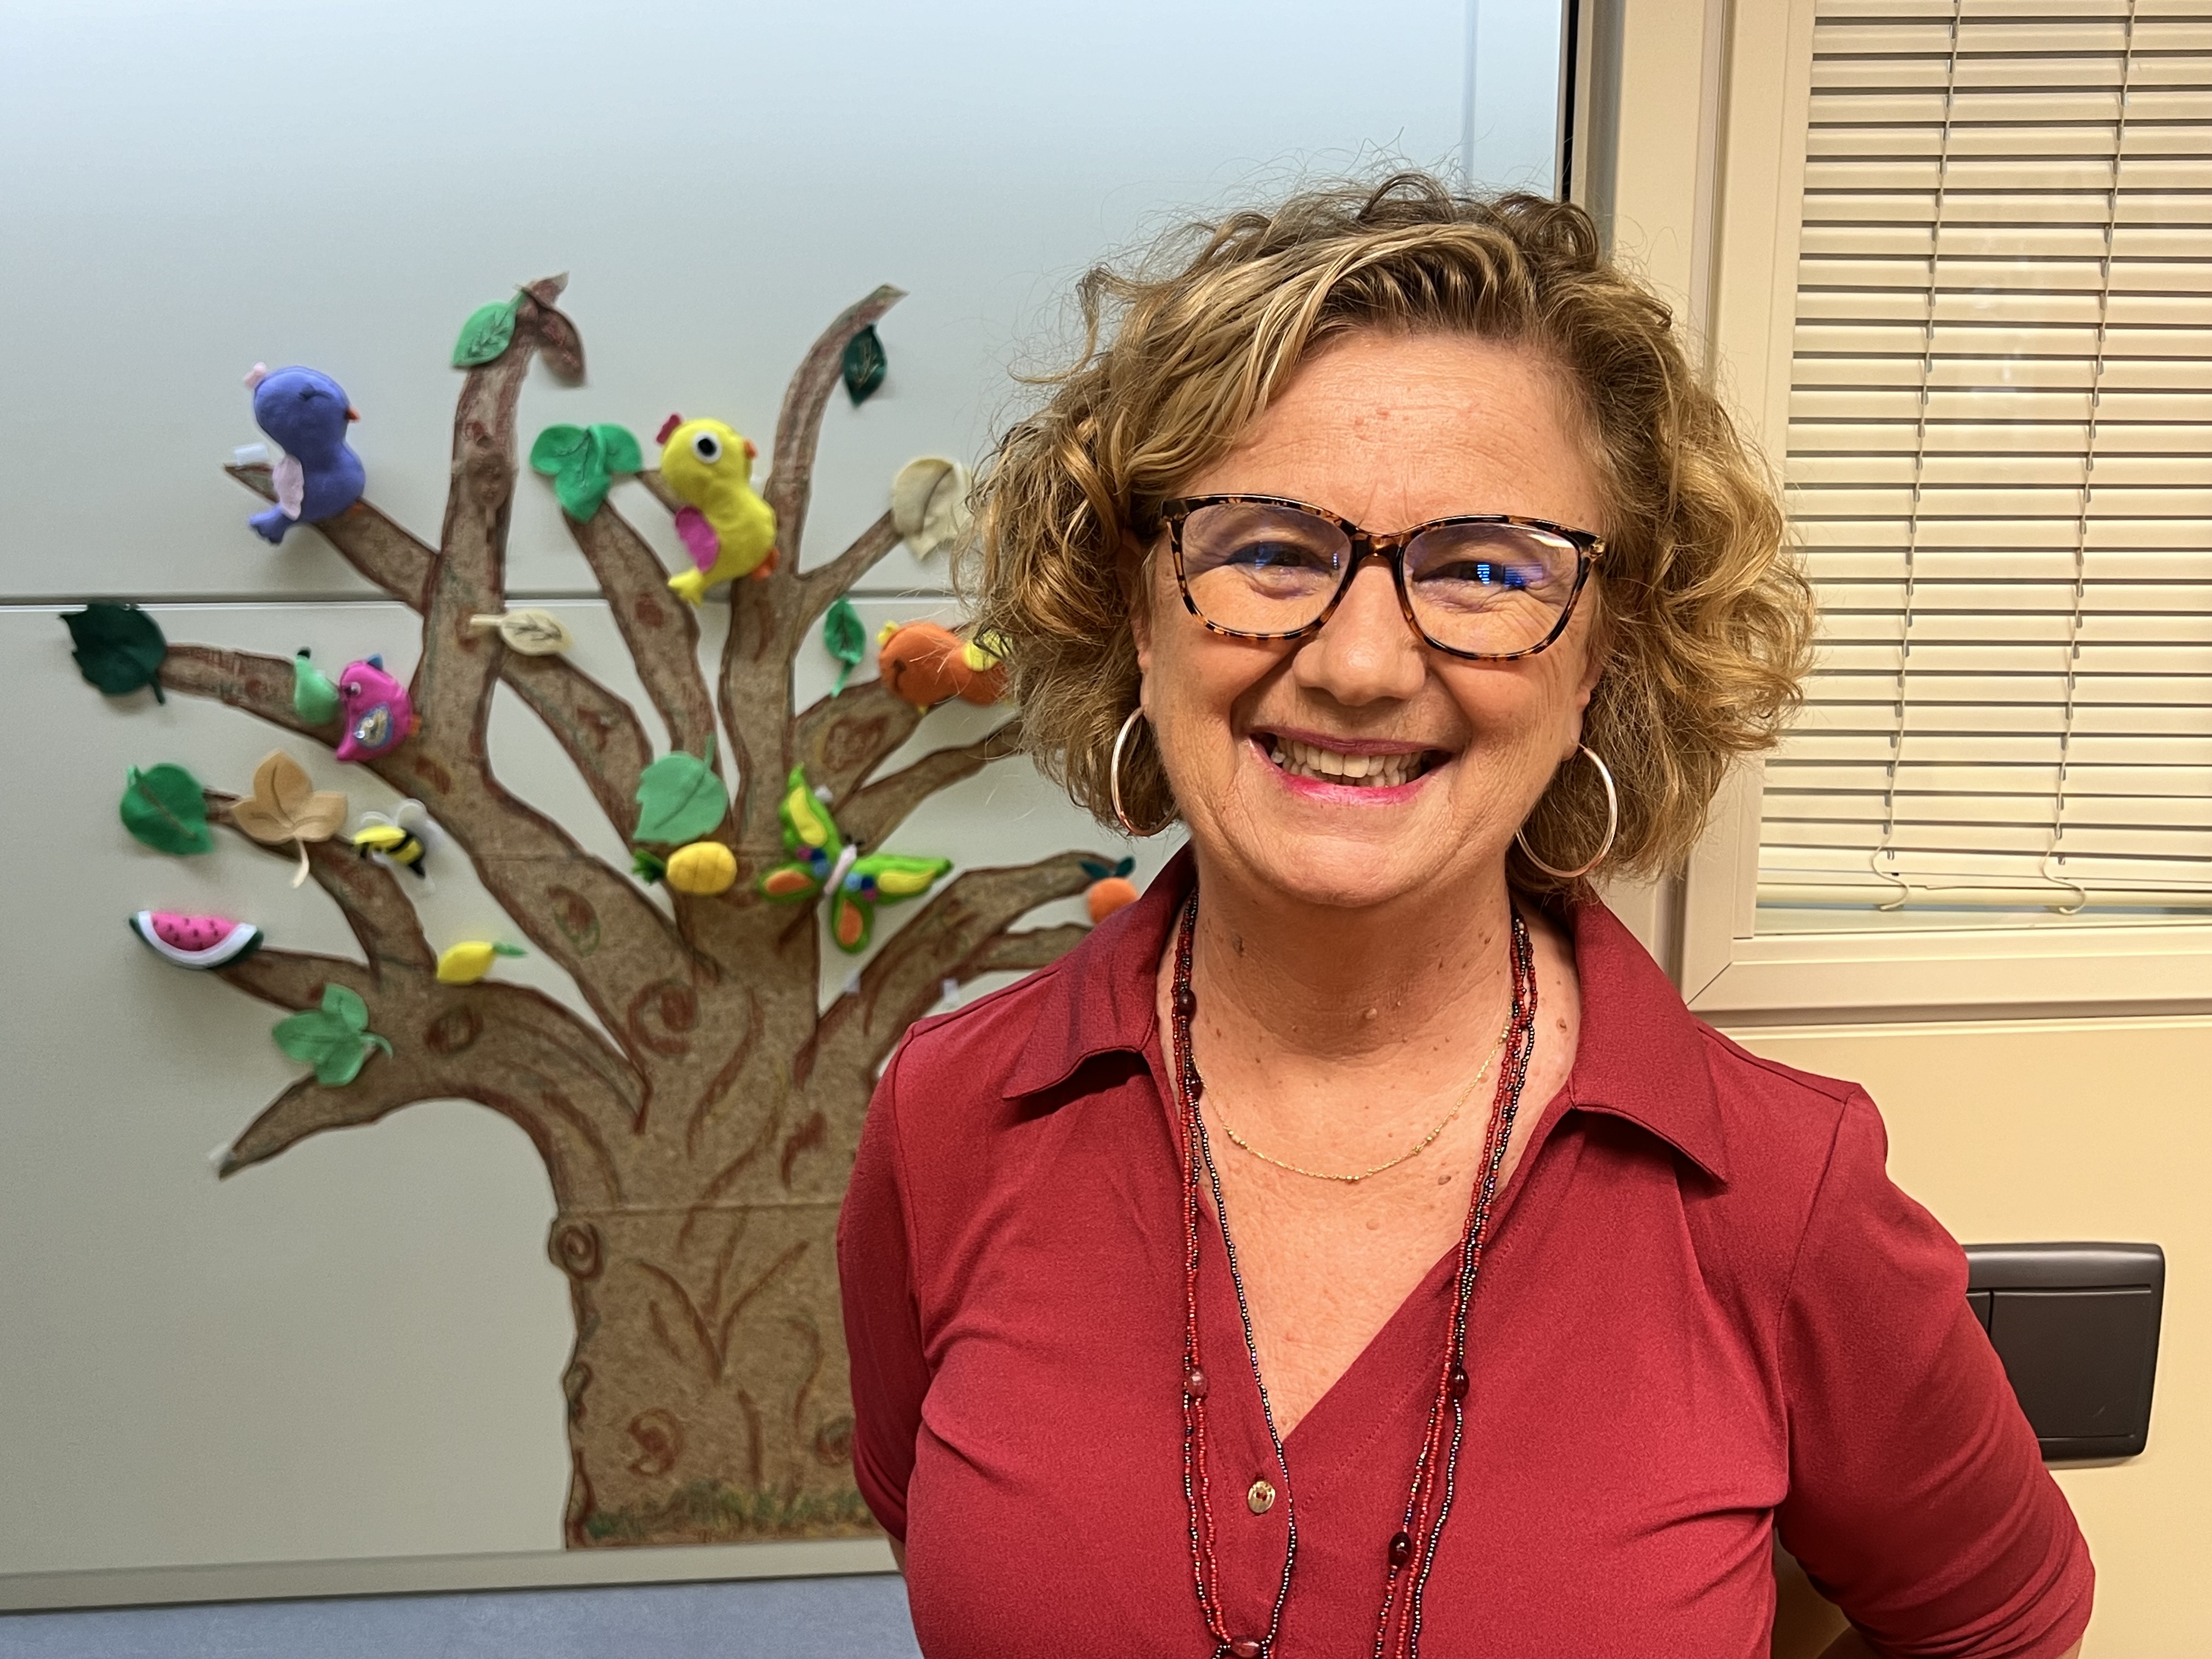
[1707, 621]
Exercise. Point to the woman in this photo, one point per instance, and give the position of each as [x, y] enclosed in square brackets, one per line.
[1355, 1246]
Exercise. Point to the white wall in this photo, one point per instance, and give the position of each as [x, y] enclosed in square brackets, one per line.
[355, 1351]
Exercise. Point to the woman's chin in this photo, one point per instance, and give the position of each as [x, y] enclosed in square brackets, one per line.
[1355, 866]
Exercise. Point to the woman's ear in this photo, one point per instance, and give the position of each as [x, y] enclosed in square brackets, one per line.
[1597, 650]
[1137, 586]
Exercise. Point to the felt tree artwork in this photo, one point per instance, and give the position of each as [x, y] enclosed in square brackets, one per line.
[697, 1127]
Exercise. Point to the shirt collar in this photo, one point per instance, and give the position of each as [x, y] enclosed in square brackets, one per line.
[1641, 1056]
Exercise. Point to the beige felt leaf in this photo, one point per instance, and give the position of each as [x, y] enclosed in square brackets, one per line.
[532, 633]
[285, 805]
[929, 503]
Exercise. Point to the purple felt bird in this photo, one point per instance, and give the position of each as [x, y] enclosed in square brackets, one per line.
[317, 477]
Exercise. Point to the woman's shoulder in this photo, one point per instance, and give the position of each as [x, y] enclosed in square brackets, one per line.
[1807, 1159]
[971, 1053]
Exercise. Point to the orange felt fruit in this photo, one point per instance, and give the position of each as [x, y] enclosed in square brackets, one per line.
[987, 674]
[922, 662]
[1103, 898]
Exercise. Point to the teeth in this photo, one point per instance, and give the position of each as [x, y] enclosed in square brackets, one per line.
[1306, 760]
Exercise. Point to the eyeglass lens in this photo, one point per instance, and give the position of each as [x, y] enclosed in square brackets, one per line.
[1251, 567]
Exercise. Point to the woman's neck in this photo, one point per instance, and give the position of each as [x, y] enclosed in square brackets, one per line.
[1300, 982]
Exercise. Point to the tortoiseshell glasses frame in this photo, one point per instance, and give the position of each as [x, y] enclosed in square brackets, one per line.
[1390, 548]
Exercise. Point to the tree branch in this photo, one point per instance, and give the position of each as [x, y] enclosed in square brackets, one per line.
[799, 422]
[377, 546]
[502, 1046]
[374, 905]
[768, 618]
[820, 589]
[840, 740]
[869, 816]
[909, 973]
[597, 730]
[600, 731]
[295, 979]
[1018, 953]
[591, 921]
[661, 631]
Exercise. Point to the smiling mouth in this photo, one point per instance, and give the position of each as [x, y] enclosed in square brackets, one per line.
[1305, 759]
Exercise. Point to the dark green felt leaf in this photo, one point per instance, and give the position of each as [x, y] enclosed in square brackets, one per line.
[648, 867]
[487, 334]
[163, 807]
[314, 699]
[865, 364]
[335, 1038]
[845, 639]
[619, 447]
[118, 648]
[679, 798]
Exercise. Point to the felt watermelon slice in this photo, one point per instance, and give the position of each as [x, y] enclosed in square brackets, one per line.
[195, 941]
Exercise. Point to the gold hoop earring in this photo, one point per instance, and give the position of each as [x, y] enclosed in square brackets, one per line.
[1612, 824]
[1114, 775]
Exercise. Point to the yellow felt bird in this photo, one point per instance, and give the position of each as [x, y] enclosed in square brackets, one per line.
[728, 530]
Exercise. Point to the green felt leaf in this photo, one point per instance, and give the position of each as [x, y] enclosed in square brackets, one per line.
[620, 447]
[335, 1038]
[583, 461]
[118, 648]
[865, 364]
[581, 485]
[648, 867]
[314, 699]
[679, 798]
[487, 334]
[844, 638]
[163, 807]
[557, 446]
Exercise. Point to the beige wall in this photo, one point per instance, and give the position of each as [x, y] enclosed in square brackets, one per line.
[2076, 1130]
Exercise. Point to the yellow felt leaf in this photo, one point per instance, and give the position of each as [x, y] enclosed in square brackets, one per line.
[285, 804]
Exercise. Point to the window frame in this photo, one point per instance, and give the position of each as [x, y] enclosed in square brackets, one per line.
[1726, 969]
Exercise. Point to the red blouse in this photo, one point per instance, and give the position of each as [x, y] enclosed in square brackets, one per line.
[1704, 1313]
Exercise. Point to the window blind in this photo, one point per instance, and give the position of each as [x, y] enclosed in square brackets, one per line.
[2000, 460]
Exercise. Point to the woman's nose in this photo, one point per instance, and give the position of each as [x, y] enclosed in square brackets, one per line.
[1365, 653]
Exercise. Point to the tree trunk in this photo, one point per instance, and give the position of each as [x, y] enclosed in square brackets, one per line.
[708, 1396]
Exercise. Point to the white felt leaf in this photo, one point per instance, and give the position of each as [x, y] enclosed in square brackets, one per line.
[929, 503]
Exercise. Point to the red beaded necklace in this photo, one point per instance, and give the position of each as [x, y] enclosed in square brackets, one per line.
[1411, 1550]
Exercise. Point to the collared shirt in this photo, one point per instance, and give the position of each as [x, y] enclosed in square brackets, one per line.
[1704, 1315]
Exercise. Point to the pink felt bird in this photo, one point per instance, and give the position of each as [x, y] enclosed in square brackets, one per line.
[379, 715]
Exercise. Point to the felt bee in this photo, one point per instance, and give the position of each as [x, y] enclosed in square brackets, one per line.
[819, 860]
[391, 842]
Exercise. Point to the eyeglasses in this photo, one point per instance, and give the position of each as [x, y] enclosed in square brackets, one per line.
[1490, 586]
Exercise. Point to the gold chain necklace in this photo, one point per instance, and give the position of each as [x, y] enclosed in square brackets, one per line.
[1415, 1151]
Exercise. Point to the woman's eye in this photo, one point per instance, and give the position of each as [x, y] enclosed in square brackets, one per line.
[1483, 573]
[707, 447]
[1276, 555]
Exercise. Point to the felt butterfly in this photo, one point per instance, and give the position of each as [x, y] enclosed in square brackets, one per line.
[819, 860]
